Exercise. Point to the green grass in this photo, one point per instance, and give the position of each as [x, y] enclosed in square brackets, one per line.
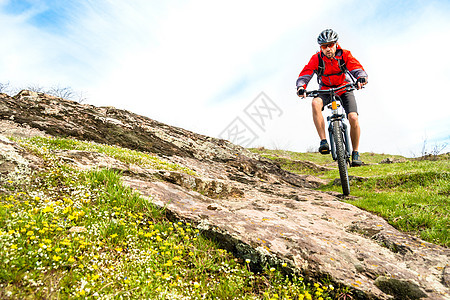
[43, 146]
[71, 234]
[413, 196]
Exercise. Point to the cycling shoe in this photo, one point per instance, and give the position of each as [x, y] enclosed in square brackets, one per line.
[324, 147]
[356, 160]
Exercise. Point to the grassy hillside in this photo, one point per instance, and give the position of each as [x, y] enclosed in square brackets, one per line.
[411, 194]
[71, 234]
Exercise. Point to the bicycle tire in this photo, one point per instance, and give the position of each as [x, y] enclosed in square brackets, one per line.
[341, 159]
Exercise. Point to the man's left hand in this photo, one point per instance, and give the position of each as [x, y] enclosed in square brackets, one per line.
[362, 81]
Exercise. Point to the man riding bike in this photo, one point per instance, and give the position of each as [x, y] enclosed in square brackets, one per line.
[334, 67]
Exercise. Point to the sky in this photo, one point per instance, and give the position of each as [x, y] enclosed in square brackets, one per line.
[227, 69]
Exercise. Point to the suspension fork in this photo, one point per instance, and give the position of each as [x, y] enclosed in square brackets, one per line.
[346, 138]
[340, 122]
[330, 134]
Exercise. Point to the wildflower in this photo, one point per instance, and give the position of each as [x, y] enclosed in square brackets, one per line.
[247, 260]
[48, 208]
[56, 258]
[13, 246]
[284, 265]
[114, 235]
[71, 259]
[196, 285]
[272, 269]
[168, 263]
[308, 296]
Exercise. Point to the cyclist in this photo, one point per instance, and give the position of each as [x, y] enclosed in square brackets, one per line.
[334, 67]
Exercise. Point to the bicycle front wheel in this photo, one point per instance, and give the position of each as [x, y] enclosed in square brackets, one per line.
[341, 157]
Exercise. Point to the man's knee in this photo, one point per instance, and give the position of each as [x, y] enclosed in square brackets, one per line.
[353, 118]
[317, 104]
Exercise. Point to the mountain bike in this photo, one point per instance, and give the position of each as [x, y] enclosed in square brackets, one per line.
[338, 132]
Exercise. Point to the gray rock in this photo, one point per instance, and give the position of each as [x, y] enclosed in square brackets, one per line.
[247, 203]
[400, 289]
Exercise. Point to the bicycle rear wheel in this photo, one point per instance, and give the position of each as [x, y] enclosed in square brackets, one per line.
[341, 159]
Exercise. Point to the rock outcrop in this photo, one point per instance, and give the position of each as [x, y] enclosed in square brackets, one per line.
[247, 203]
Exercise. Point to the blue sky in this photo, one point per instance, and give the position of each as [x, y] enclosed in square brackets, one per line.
[198, 64]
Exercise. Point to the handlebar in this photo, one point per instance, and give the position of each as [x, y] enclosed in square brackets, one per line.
[348, 87]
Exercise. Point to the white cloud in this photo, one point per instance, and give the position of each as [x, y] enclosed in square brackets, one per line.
[198, 64]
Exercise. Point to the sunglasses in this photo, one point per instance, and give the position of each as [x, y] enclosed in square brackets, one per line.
[329, 45]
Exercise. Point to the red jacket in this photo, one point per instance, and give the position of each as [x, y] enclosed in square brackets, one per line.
[335, 79]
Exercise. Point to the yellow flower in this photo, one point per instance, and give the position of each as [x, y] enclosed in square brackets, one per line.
[82, 293]
[65, 242]
[13, 246]
[169, 263]
[48, 209]
[56, 258]
[30, 232]
[114, 235]
[71, 259]
[196, 285]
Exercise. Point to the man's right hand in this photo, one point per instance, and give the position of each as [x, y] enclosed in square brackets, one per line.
[301, 92]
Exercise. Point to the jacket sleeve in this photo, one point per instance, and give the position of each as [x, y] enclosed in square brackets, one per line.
[308, 72]
[353, 65]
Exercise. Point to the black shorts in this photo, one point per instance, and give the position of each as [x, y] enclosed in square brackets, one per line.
[347, 99]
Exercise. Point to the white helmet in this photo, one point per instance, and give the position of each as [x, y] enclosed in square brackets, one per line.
[327, 36]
